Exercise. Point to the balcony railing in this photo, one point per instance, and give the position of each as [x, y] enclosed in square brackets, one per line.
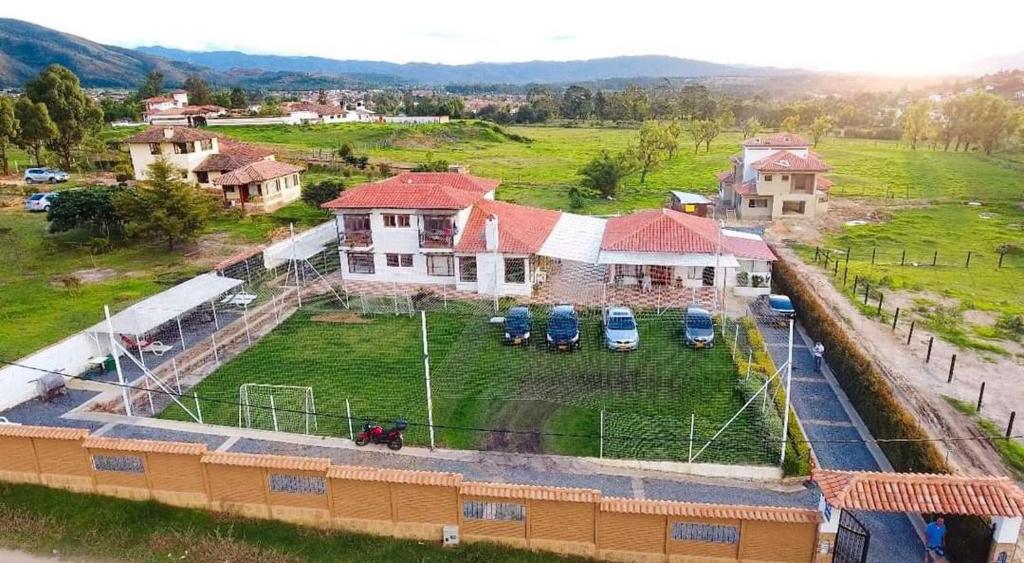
[355, 239]
[437, 239]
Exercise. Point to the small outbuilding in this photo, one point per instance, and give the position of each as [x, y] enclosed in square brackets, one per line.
[691, 203]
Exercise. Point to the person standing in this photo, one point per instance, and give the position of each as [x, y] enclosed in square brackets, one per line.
[935, 535]
[819, 355]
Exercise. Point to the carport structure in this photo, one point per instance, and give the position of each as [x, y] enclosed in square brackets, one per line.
[842, 492]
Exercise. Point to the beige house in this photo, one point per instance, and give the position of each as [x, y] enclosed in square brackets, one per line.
[776, 176]
[262, 186]
[182, 147]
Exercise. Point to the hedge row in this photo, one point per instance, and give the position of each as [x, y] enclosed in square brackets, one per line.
[877, 405]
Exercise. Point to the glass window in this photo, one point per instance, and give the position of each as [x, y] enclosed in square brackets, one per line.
[467, 268]
[360, 263]
[399, 260]
[767, 177]
[357, 223]
[757, 202]
[394, 221]
[515, 270]
[785, 178]
[440, 265]
[154, 148]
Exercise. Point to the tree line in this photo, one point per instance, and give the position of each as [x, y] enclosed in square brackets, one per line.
[978, 119]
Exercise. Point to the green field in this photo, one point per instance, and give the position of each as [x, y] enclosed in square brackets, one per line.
[479, 383]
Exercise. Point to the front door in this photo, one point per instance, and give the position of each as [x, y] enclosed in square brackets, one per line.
[708, 276]
[661, 275]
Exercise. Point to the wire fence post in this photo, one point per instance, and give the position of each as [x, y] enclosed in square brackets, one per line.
[952, 364]
[910, 335]
[693, 420]
[426, 372]
[600, 447]
[880, 297]
[903, 258]
[750, 357]
[981, 395]
[867, 290]
[348, 415]
[1001, 254]
[1009, 427]
[968, 263]
[935, 258]
[874, 249]
[117, 363]
[895, 318]
[928, 357]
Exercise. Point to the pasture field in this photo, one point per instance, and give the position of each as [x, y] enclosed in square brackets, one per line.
[550, 401]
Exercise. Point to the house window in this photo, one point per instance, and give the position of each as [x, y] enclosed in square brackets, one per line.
[206, 145]
[755, 203]
[203, 177]
[627, 271]
[360, 263]
[154, 148]
[277, 185]
[440, 265]
[357, 223]
[467, 268]
[295, 179]
[395, 221]
[785, 178]
[182, 148]
[767, 177]
[515, 270]
[399, 260]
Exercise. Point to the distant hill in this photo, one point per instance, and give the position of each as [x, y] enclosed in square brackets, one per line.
[654, 66]
[989, 65]
[26, 49]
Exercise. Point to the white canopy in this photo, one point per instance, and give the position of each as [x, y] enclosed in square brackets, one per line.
[165, 306]
[307, 244]
[668, 259]
[575, 237]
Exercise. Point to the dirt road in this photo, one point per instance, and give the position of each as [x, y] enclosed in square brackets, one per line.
[920, 386]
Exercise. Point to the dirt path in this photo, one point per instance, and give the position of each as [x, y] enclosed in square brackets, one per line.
[521, 416]
[921, 385]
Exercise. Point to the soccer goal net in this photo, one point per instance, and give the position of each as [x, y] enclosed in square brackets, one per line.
[284, 408]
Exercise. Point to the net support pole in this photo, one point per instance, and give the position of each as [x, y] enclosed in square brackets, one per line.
[348, 415]
[273, 411]
[750, 358]
[298, 281]
[199, 412]
[181, 333]
[600, 447]
[177, 379]
[216, 358]
[689, 455]
[426, 373]
[117, 363]
[216, 322]
[789, 383]
[245, 318]
[138, 346]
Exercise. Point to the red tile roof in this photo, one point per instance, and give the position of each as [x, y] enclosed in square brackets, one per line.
[158, 100]
[232, 154]
[319, 109]
[189, 110]
[416, 190]
[921, 492]
[716, 511]
[824, 184]
[286, 463]
[45, 432]
[747, 188]
[785, 161]
[776, 140]
[259, 171]
[660, 230]
[177, 135]
[726, 176]
[534, 492]
[521, 229]
[144, 446]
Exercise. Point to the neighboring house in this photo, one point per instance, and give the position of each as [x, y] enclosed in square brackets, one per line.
[231, 155]
[183, 147]
[262, 186]
[691, 203]
[676, 249]
[308, 112]
[175, 99]
[776, 176]
[189, 116]
[445, 228]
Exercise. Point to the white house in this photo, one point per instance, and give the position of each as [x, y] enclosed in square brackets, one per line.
[308, 112]
[174, 99]
[187, 116]
[261, 186]
[447, 229]
[776, 176]
[183, 147]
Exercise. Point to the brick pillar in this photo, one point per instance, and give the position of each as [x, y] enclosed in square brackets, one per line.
[1004, 539]
[827, 531]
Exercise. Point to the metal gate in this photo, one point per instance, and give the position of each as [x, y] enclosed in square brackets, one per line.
[852, 540]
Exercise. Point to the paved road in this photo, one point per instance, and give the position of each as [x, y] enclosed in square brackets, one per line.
[816, 400]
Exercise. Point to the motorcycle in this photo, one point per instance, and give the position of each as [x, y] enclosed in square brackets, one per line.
[375, 434]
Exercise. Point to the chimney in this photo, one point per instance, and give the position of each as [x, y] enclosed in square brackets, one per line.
[491, 233]
[168, 132]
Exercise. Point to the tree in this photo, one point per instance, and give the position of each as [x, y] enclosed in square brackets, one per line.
[820, 127]
[636, 105]
[751, 127]
[915, 122]
[163, 207]
[198, 91]
[152, 86]
[222, 98]
[577, 103]
[36, 129]
[431, 165]
[791, 124]
[651, 148]
[323, 191]
[238, 98]
[91, 208]
[992, 121]
[321, 97]
[603, 174]
[673, 131]
[697, 128]
[120, 110]
[8, 129]
[270, 107]
[74, 112]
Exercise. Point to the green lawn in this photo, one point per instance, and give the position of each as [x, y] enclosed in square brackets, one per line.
[376, 363]
[49, 521]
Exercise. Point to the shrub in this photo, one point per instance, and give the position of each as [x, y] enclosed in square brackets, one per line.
[742, 278]
[323, 191]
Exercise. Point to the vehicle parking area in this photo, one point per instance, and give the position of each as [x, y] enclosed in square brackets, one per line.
[489, 394]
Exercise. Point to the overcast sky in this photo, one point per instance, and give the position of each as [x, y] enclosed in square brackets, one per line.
[884, 36]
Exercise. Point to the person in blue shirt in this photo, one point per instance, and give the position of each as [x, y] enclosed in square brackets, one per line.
[935, 535]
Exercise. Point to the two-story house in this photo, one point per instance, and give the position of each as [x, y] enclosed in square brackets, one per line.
[775, 176]
[183, 147]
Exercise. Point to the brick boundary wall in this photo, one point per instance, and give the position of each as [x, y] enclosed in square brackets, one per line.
[405, 504]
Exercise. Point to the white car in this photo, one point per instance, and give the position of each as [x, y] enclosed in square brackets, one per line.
[45, 176]
[40, 201]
